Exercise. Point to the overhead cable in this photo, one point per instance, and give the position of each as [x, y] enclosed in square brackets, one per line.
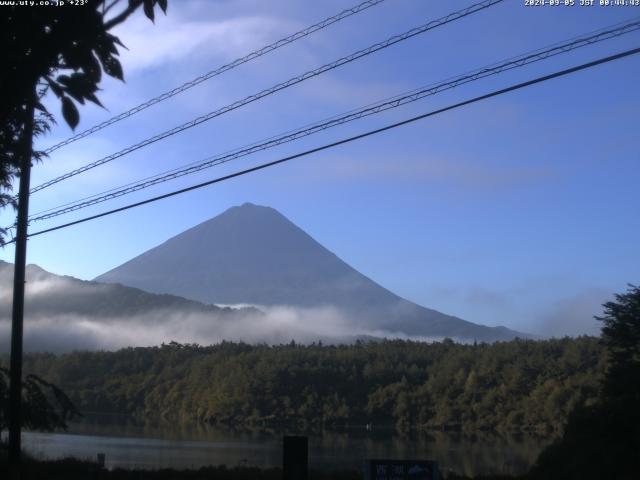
[371, 109]
[276, 88]
[495, 93]
[220, 70]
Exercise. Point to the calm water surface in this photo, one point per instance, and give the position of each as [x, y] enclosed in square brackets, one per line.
[152, 446]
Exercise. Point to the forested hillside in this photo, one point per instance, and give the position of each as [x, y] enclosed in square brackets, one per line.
[509, 386]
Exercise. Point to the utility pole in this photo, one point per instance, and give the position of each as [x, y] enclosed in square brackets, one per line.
[15, 381]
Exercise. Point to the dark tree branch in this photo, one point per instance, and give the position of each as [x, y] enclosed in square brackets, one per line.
[106, 9]
[121, 17]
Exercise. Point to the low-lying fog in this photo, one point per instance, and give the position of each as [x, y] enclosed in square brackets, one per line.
[60, 318]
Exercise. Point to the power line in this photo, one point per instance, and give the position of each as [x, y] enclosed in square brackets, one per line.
[495, 93]
[595, 36]
[588, 38]
[384, 105]
[276, 88]
[220, 70]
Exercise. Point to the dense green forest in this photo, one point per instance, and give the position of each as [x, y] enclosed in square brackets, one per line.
[507, 386]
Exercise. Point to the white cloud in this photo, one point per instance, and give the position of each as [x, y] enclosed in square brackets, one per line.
[333, 90]
[410, 168]
[274, 325]
[177, 40]
[575, 315]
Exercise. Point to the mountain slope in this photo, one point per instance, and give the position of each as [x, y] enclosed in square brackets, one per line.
[50, 294]
[254, 255]
[65, 313]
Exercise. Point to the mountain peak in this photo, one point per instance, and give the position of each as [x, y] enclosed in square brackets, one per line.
[252, 254]
[248, 210]
[249, 205]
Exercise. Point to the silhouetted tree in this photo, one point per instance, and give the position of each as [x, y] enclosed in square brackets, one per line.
[46, 407]
[621, 335]
[603, 440]
[63, 49]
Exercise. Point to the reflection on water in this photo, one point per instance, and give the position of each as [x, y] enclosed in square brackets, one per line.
[157, 445]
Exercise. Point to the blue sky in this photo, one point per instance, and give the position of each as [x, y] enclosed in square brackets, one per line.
[519, 211]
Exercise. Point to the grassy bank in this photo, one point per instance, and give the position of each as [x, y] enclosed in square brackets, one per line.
[70, 469]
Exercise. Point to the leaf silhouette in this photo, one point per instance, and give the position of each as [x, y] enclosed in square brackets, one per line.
[70, 112]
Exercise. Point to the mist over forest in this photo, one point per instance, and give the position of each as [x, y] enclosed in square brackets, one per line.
[65, 314]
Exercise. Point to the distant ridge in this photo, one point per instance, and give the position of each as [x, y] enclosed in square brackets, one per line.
[252, 254]
[63, 313]
[69, 295]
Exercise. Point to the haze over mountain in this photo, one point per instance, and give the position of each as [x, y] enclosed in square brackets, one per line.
[64, 313]
[254, 255]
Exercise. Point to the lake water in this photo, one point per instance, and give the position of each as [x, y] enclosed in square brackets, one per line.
[153, 446]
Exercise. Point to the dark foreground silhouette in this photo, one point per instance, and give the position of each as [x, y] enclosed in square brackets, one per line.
[601, 439]
[75, 469]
